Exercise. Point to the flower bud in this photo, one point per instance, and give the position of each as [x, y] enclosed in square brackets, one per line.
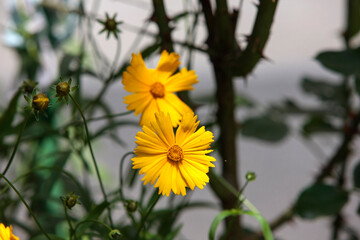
[71, 200]
[115, 234]
[62, 89]
[28, 86]
[131, 205]
[40, 102]
[250, 176]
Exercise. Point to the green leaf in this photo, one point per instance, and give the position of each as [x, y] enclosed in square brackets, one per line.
[323, 90]
[235, 212]
[320, 200]
[8, 115]
[242, 100]
[345, 62]
[264, 128]
[317, 124]
[356, 175]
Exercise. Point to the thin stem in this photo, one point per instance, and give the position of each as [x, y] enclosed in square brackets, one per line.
[92, 155]
[121, 182]
[16, 144]
[152, 205]
[71, 232]
[27, 206]
[91, 220]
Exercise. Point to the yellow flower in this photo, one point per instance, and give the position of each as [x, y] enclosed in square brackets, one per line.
[174, 161]
[153, 89]
[6, 233]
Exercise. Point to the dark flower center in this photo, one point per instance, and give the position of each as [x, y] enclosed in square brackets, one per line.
[175, 153]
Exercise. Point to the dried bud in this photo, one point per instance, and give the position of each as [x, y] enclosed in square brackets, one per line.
[40, 102]
[115, 234]
[71, 200]
[62, 89]
[131, 205]
[28, 86]
[250, 176]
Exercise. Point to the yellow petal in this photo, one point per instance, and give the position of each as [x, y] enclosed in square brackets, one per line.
[187, 127]
[181, 81]
[150, 141]
[179, 106]
[202, 159]
[168, 62]
[164, 127]
[138, 102]
[137, 78]
[189, 182]
[153, 174]
[149, 113]
[167, 108]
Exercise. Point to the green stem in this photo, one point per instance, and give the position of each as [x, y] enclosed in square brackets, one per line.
[92, 155]
[121, 181]
[26, 205]
[71, 232]
[16, 145]
[152, 205]
[91, 220]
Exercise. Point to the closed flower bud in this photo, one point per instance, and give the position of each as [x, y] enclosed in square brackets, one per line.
[115, 234]
[62, 89]
[250, 176]
[28, 86]
[131, 205]
[71, 200]
[40, 102]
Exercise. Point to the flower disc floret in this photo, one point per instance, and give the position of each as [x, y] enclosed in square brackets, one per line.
[175, 161]
[157, 90]
[175, 153]
[153, 90]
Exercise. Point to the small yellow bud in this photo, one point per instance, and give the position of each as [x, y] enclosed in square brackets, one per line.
[62, 89]
[40, 102]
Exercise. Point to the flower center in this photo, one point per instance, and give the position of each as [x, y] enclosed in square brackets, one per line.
[110, 24]
[157, 90]
[175, 153]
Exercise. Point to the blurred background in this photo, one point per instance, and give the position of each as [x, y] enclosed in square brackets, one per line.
[300, 31]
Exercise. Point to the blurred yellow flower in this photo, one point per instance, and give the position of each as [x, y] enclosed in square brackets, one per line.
[153, 89]
[6, 233]
[174, 161]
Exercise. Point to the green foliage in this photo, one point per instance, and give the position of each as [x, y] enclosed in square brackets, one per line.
[265, 128]
[320, 200]
[344, 62]
[53, 156]
[234, 212]
[8, 115]
[323, 90]
[317, 124]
